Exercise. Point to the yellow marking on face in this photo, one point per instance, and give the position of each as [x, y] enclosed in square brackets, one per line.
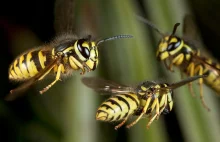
[162, 46]
[173, 40]
[93, 44]
[164, 55]
[90, 64]
[23, 67]
[85, 44]
[93, 55]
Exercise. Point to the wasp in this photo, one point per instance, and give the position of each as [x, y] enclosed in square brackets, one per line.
[183, 52]
[60, 57]
[146, 99]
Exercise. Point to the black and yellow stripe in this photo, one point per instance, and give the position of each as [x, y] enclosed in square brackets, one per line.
[29, 64]
[148, 98]
[63, 55]
[184, 54]
[118, 107]
[187, 58]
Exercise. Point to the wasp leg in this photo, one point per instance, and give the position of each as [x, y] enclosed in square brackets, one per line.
[121, 124]
[156, 102]
[181, 74]
[164, 106]
[191, 71]
[83, 71]
[59, 70]
[169, 67]
[142, 113]
[200, 70]
[151, 120]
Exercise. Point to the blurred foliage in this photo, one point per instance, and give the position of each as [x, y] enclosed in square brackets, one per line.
[66, 112]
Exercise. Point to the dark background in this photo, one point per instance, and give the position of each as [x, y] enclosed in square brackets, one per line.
[37, 18]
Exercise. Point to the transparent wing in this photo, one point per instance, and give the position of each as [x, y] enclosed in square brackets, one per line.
[64, 16]
[191, 33]
[106, 86]
[204, 62]
[189, 28]
[19, 91]
[183, 82]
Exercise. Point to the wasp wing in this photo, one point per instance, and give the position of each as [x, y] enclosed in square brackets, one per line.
[19, 91]
[106, 86]
[191, 35]
[204, 61]
[65, 17]
[183, 82]
[189, 28]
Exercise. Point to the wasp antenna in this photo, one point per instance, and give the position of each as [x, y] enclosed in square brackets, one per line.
[113, 38]
[144, 20]
[174, 28]
[185, 81]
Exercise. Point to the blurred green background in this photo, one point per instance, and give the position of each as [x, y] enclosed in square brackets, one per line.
[66, 113]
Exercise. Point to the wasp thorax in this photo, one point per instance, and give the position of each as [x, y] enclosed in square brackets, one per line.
[145, 88]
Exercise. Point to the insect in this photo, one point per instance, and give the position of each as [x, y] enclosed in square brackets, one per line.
[61, 57]
[183, 52]
[146, 99]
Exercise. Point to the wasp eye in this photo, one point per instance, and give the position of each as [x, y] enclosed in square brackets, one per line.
[83, 50]
[173, 46]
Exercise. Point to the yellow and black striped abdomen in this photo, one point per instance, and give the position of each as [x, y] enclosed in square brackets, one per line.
[118, 107]
[29, 64]
[213, 78]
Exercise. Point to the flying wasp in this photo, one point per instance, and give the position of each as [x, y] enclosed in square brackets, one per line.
[183, 52]
[61, 57]
[146, 99]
